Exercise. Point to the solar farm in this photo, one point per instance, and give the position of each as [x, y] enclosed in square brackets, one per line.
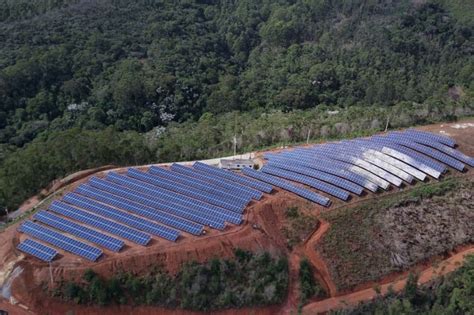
[171, 203]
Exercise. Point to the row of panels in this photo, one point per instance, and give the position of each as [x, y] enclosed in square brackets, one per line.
[347, 167]
[166, 202]
[138, 205]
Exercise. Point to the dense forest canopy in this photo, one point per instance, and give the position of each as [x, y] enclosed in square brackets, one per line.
[109, 66]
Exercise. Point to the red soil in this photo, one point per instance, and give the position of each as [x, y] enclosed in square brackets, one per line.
[430, 273]
[265, 216]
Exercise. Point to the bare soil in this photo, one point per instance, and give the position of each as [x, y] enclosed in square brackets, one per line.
[260, 232]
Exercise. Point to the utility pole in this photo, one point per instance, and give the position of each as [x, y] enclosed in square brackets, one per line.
[386, 125]
[234, 141]
[307, 137]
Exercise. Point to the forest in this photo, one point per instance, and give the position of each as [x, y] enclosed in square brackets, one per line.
[218, 284]
[90, 82]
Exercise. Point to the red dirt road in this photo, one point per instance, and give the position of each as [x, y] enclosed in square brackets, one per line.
[265, 215]
[322, 270]
[352, 299]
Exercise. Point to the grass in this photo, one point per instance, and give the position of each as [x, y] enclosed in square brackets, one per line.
[299, 226]
[352, 247]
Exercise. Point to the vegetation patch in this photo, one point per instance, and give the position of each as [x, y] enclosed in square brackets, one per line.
[309, 287]
[248, 280]
[452, 294]
[299, 226]
[189, 76]
[377, 238]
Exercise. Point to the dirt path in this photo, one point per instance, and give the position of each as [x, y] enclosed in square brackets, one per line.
[293, 287]
[352, 299]
[316, 260]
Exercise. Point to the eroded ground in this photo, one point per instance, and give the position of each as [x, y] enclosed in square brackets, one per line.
[406, 235]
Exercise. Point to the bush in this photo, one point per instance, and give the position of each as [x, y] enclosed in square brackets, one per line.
[250, 280]
[309, 287]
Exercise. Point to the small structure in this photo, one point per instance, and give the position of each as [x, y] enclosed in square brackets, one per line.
[236, 164]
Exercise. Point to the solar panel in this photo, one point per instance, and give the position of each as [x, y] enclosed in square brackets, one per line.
[328, 166]
[374, 159]
[233, 177]
[438, 146]
[347, 185]
[38, 250]
[275, 181]
[78, 230]
[109, 226]
[444, 158]
[122, 217]
[409, 160]
[372, 172]
[369, 152]
[435, 137]
[160, 203]
[139, 209]
[417, 156]
[54, 238]
[199, 184]
[390, 153]
[152, 190]
[233, 187]
[359, 171]
[401, 165]
[312, 182]
[185, 190]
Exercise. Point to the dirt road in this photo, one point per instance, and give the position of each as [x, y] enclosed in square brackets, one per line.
[354, 298]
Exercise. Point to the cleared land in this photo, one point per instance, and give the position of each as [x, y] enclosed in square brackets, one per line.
[269, 226]
[375, 239]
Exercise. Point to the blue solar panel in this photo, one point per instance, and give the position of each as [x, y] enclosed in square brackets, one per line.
[38, 250]
[370, 162]
[233, 187]
[345, 184]
[446, 159]
[327, 167]
[123, 217]
[142, 210]
[233, 177]
[431, 136]
[326, 160]
[377, 150]
[99, 222]
[275, 181]
[152, 190]
[54, 238]
[368, 170]
[411, 153]
[79, 230]
[199, 184]
[312, 182]
[160, 203]
[185, 190]
[438, 146]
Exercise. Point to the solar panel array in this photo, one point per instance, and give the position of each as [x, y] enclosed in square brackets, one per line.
[305, 193]
[138, 206]
[61, 241]
[371, 163]
[140, 209]
[99, 222]
[78, 230]
[310, 181]
[167, 203]
[38, 250]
